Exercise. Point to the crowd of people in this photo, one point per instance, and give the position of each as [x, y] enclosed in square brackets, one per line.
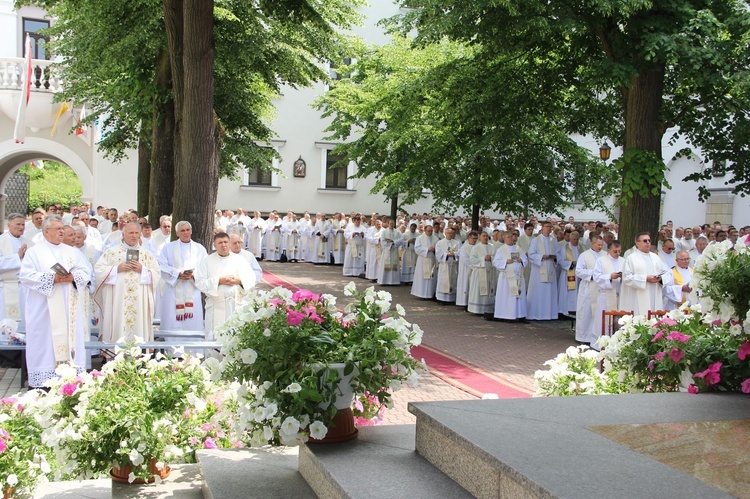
[68, 274]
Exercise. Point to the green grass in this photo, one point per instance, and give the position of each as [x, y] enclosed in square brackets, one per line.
[55, 183]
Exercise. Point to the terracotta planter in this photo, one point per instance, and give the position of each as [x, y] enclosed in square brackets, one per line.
[342, 429]
[8, 492]
[121, 474]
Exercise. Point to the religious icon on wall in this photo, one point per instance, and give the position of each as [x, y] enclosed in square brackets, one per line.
[300, 167]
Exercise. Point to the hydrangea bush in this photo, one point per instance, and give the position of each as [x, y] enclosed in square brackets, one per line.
[281, 346]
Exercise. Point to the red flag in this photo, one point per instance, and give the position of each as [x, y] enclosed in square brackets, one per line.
[81, 129]
[19, 134]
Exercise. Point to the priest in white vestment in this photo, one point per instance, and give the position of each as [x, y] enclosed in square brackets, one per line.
[13, 247]
[291, 231]
[253, 239]
[389, 271]
[567, 283]
[164, 234]
[483, 279]
[667, 253]
[272, 238]
[510, 294]
[679, 291]
[319, 240]
[34, 226]
[54, 274]
[464, 269]
[446, 253]
[224, 277]
[409, 257]
[181, 307]
[354, 261]
[588, 292]
[372, 253]
[338, 241]
[235, 245]
[541, 295]
[608, 279]
[643, 275]
[425, 278]
[127, 277]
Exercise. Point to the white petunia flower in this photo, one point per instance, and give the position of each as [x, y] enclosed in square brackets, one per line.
[290, 426]
[318, 430]
[135, 457]
[293, 388]
[249, 356]
[12, 480]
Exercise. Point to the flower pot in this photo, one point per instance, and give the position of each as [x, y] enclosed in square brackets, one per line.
[342, 427]
[121, 474]
[8, 492]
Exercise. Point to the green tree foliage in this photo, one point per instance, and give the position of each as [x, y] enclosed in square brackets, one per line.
[630, 70]
[454, 119]
[55, 183]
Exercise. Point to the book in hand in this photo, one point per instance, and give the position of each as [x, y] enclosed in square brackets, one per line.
[59, 269]
[515, 255]
[131, 255]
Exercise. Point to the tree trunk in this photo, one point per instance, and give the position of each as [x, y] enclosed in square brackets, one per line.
[197, 172]
[162, 151]
[144, 167]
[174, 27]
[643, 132]
[394, 207]
[475, 208]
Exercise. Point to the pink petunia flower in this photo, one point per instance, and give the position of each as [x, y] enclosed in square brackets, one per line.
[676, 335]
[744, 350]
[746, 386]
[3, 445]
[661, 355]
[207, 427]
[193, 440]
[68, 389]
[676, 355]
[666, 321]
[294, 318]
[710, 376]
[95, 373]
[304, 294]
[210, 443]
[692, 389]
[657, 336]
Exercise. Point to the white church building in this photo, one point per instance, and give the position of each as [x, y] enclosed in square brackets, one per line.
[304, 181]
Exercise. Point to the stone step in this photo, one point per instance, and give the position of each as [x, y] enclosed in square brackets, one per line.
[267, 473]
[380, 463]
[556, 447]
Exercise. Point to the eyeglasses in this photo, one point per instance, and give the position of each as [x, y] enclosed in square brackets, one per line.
[667, 248]
[645, 241]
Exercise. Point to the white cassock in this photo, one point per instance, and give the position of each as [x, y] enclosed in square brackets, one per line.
[668, 258]
[160, 239]
[389, 270]
[542, 290]
[637, 294]
[567, 283]
[447, 277]
[464, 271]
[673, 294]
[12, 296]
[425, 278]
[126, 299]
[253, 238]
[586, 301]
[253, 263]
[221, 299]
[510, 297]
[372, 238]
[304, 231]
[30, 230]
[338, 242]
[483, 280]
[273, 240]
[150, 245]
[51, 341]
[291, 231]
[354, 261]
[181, 302]
[409, 258]
[608, 297]
[319, 235]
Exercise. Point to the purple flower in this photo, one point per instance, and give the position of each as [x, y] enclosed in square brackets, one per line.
[210, 443]
[744, 350]
[676, 355]
[676, 335]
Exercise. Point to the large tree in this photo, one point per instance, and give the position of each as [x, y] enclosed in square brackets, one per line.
[127, 60]
[439, 118]
[629, 70]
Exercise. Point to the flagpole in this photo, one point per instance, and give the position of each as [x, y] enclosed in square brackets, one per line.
[19, 134]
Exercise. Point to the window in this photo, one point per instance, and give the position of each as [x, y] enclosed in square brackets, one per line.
[32, 28]
[258, 176]
[347, 61]
[720, 168]
[336, 170]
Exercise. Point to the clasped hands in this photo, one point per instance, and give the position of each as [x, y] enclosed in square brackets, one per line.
[131, 266]
[229, 280]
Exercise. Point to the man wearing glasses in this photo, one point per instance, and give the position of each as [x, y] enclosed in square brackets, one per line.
[680, 291]
[643, 275]
[667, 253]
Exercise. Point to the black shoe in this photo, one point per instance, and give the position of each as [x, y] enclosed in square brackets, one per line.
[523, 320]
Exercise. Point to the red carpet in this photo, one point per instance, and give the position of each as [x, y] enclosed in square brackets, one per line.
[452, 370]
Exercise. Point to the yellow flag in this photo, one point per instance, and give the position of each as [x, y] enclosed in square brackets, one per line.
[64, 107]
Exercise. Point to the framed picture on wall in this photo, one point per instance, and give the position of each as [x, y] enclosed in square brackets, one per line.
[300, 167]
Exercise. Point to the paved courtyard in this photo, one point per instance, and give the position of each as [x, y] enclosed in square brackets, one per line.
[510, 352]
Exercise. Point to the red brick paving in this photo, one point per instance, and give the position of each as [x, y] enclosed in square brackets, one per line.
[507, 351]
